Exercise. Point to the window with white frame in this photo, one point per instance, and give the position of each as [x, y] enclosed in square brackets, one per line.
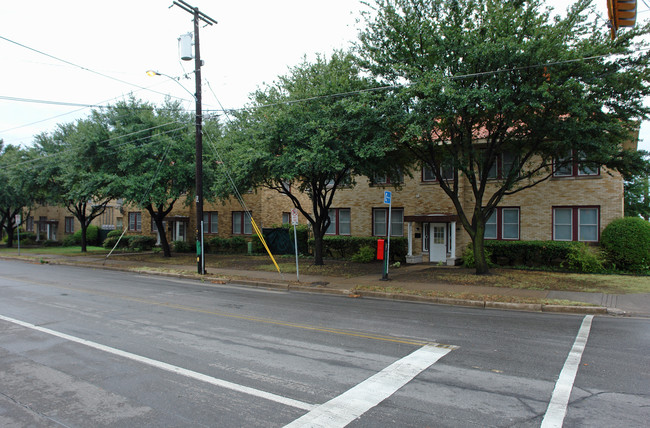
[576, 224]
[210, 222]
[339, 221]
[241, 223]
[380, 222]
[135, 222]
[503, 224]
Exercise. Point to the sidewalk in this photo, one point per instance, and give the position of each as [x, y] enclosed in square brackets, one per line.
[397, 287]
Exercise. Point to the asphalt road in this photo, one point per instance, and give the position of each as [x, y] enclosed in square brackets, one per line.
[84, 348]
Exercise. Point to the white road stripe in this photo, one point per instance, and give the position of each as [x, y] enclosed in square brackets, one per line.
[557, 407]
[168, 367]
[341, 410]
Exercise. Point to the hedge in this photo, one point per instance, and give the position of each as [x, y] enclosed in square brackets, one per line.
[235, 245]
[576, 256]
[92, 237]
[345, 247]
[132, 242]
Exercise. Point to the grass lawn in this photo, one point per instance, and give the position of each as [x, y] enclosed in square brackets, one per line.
[70, 251]
[423, 274]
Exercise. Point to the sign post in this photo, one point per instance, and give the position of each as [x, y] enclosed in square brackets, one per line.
[18, 231]
[294, 222]
[387, 200]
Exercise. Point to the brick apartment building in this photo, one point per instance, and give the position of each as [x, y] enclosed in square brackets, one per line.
[574, 205]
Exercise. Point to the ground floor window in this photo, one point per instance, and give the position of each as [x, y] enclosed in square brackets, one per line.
[135, 222]
[339, 221]
[576, 224]
[211, 222]
[286, 218]
[380, 222]
[69, 225]
[30, 224]
[241, 223]
[503, 224]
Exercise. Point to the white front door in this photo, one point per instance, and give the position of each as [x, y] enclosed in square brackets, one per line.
[438, 242]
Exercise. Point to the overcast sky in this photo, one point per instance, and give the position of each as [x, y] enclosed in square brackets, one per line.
[109, 46]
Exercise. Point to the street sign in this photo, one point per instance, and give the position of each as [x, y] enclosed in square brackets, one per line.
[387, 196]
[294, 217]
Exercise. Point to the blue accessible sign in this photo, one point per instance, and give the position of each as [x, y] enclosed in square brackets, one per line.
[387, 196]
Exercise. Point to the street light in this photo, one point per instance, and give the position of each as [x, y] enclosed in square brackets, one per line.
[200, 246]
[175, 79]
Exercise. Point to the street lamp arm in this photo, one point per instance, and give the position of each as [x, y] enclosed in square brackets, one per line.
[175, 79]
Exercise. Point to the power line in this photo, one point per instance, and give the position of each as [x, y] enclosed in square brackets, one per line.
[79, 66]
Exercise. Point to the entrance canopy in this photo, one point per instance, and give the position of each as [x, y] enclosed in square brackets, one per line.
[431, 218]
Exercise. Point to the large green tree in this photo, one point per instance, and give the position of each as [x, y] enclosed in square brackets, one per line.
[153, 153]
[296, 138]
[17, 187]
[491, 85]
[74, 172]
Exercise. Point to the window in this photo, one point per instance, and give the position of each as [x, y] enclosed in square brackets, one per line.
[69, 225]
[502, 166]
[241, 223]
[380, 222]
[286, 218]
[503, 224]
[576, 224]
[574, 165]
[210, 222]
[384, 179]
[447, 173]
[135, 222]
[42, 223]
[339, 221]
[30, 224]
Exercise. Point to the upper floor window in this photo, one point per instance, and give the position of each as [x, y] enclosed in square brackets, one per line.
[339, 221]
[502, 166]
[503, 224]
[380, 222]
[447, 173]
[576, 224]
[574, 165]
[386, 179]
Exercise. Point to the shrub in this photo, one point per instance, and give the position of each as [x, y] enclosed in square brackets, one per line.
[51, 243]
[141, 243]
[531, 253]
[582, 259]
[182, 247]
[470, 262]
[626, 242]
[237, 245]
[366, 254]
[345, 247]
[112, 233]
[109, 242]
[92, 237]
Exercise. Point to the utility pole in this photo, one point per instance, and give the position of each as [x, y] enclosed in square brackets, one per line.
[198, 16]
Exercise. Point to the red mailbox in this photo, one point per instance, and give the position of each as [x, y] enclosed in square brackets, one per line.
[380, 249]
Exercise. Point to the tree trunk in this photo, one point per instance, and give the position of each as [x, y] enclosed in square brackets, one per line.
[164, 243]
[479, 255]
[84, 239]
[318, 248]
[9, 227]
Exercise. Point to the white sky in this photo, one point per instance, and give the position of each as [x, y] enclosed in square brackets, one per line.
[253, 43]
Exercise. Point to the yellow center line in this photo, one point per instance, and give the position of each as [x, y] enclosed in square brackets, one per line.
[306, 327]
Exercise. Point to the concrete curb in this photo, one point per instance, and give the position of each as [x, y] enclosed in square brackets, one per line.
[529, 307]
